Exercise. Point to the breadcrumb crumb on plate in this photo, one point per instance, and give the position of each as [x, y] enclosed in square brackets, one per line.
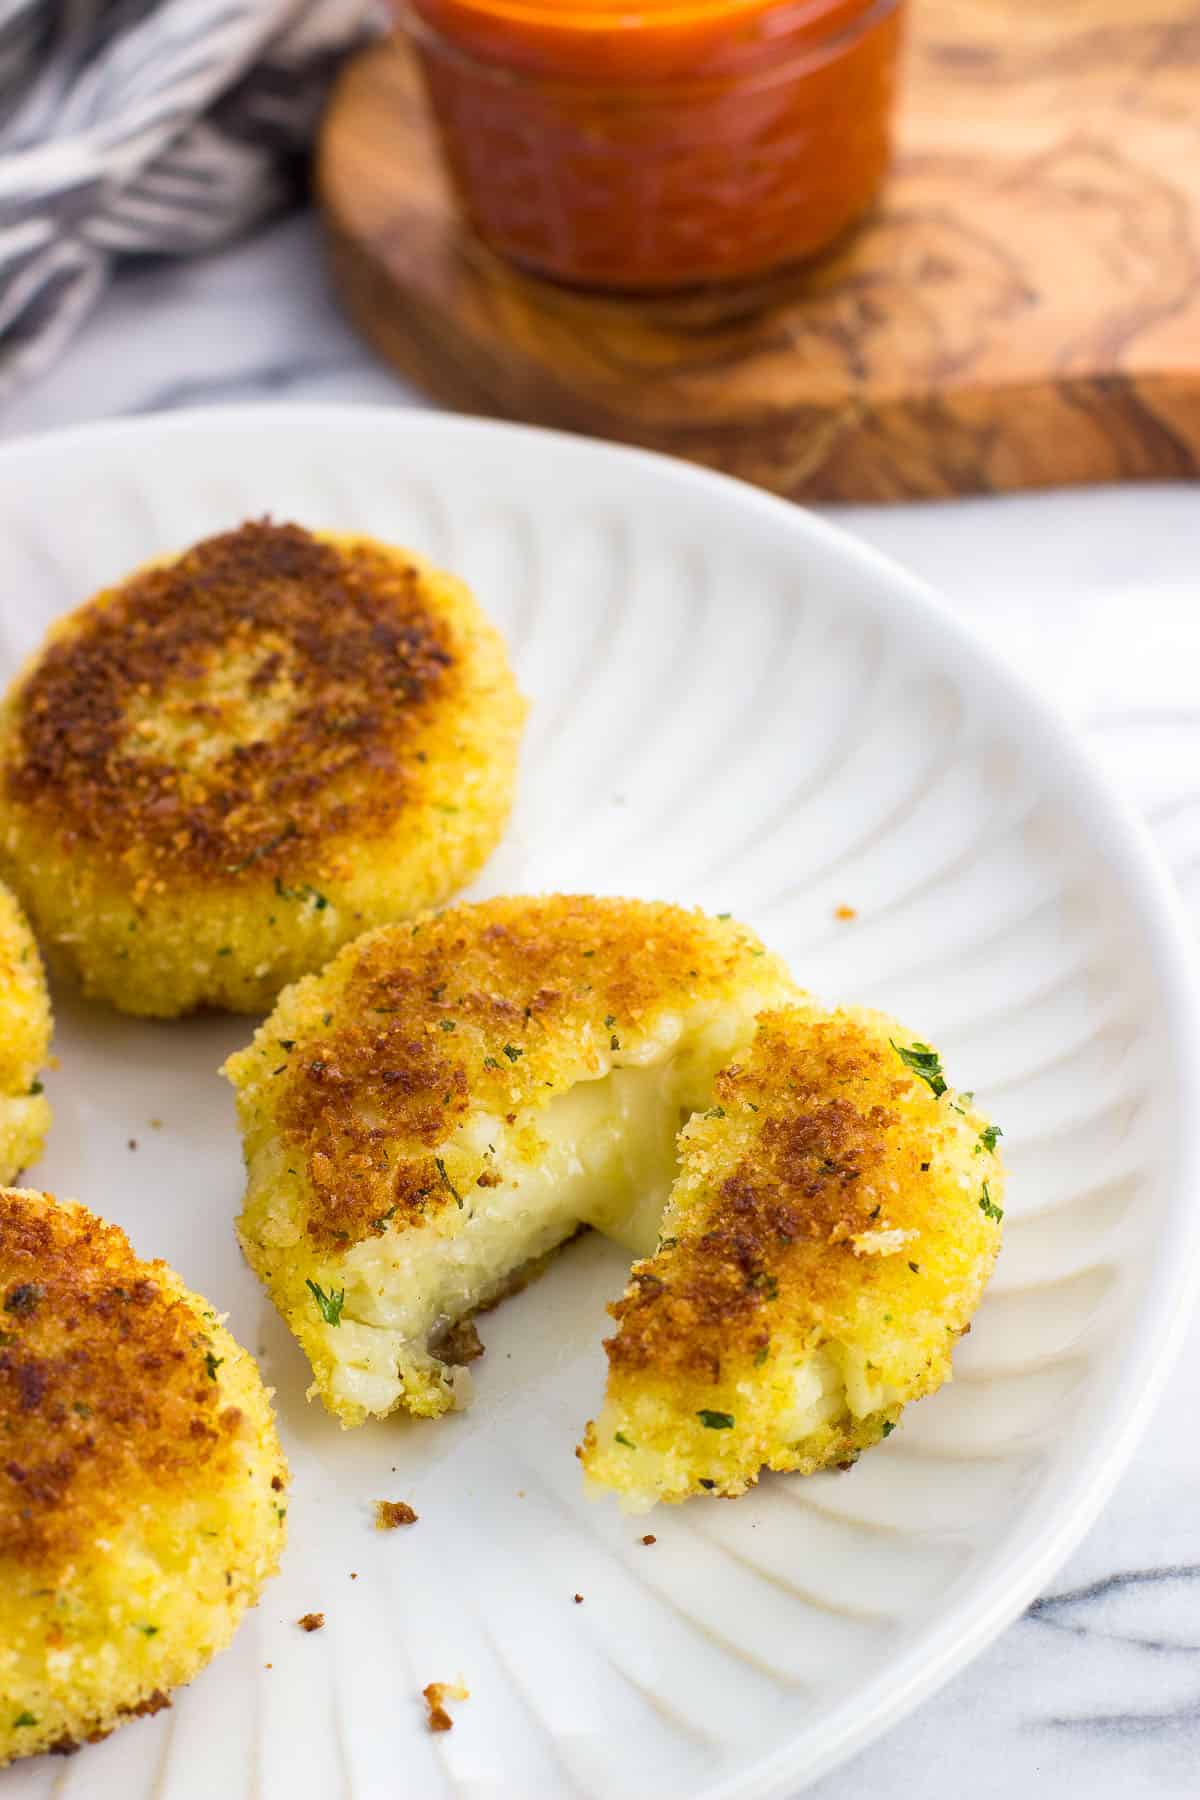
[389, 1514]
[141, 1486]
[217, 772]
[435, 1696]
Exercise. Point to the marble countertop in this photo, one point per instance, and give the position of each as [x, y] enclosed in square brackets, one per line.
[1096, 595]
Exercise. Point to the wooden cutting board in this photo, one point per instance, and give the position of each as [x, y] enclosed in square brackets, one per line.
[1023, 310]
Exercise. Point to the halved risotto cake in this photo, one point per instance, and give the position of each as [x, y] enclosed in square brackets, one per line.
[216, 773]
[142, 1487]
[24, 1043]
[447, 1102]
[833, 1225]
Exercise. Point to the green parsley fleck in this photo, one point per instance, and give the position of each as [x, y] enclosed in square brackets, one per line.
[148, 1630]
[329, 1304]
[988, 1207]
[304, 892]
[915, 1267]
[212, 1364]
[622, 1439]
[610, 1020]
[512, 1053]
[923, 1062]
[761, 1355]
[23, 1299]
[38, 1088]
[724, 915]
[22, 1719]
[716, 1421]
[225, 950]
[448, 1024]
[987, 1139]
[614, 1042]
[489, 1062]
[446, 1181]
[715, 1112]
[289, 831]
[82, 1408]
[889, 1425]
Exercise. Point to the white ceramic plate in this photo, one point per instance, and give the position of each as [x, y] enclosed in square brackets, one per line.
[733, 705]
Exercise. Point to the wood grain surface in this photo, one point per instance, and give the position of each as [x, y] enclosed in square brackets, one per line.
[1022, 310]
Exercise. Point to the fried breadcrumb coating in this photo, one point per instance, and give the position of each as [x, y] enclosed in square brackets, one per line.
[827, 1241]
[142, 1486]
[219, 771]
[24, 1043]
[448, 1102]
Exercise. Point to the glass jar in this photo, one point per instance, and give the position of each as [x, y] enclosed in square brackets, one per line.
[664, 144]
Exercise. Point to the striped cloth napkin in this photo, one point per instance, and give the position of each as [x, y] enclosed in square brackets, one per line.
[144, 127]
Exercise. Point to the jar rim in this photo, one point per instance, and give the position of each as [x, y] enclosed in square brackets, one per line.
[815, 49]
[631, 16]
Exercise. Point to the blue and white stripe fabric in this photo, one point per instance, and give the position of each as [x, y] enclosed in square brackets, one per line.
[144, 127]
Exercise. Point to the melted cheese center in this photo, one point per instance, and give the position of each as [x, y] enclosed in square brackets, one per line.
[603, 1154]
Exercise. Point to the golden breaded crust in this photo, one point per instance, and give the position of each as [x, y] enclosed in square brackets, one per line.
[216, 773]
[25, 1026]
[492, 1007]
[141, 1484]
[830, 1202]
[401, 1091]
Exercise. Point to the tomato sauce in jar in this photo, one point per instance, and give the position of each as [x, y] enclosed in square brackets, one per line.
[650, 144]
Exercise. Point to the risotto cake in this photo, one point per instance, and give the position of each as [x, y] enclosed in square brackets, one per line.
[142, 1488]
[431, 1116]
[833, 1225]
[24, 1043]
[217, 772]
[449, 1101]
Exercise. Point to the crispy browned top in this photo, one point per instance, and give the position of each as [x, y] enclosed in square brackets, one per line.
[496, 1005]
[223, 710]
[105, 1391]
[821, 1136]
